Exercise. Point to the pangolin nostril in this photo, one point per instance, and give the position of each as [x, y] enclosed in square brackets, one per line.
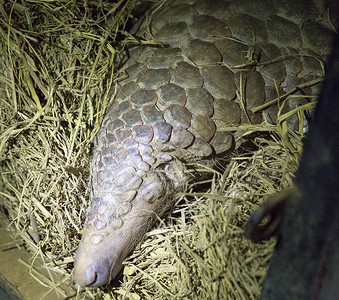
[95, 281]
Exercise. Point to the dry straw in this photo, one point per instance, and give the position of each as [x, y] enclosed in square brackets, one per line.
[58, 63]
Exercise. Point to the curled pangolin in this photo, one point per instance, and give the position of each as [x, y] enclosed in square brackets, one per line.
[220, 60]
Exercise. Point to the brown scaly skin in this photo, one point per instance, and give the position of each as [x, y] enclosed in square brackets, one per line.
[219, 58]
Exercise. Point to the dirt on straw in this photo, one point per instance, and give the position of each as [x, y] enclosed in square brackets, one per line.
[58, 69]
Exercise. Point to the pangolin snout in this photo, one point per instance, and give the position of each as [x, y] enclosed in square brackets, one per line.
[95, 265]
[98, 263]
[101, 252]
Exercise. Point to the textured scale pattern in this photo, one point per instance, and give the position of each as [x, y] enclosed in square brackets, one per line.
[219, 60]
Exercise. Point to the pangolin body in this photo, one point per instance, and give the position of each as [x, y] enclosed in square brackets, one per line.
[218, 61]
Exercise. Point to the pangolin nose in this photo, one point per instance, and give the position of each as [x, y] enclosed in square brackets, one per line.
[89, 276]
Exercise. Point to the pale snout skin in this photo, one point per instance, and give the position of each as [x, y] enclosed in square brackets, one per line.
[96, 264]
